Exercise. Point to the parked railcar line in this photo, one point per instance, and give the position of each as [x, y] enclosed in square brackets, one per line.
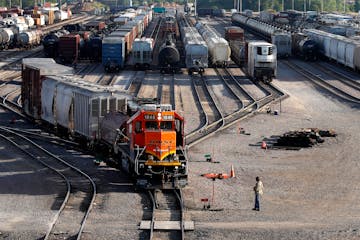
[317, 80]
[167, 206]
[80, 194]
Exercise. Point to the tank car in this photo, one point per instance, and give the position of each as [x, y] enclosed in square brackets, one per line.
[304, 47]
[148, 142]
[51, 42]
[280, 38]
[6, 37]
[169, 57]
[261, 61]
[29, 38]
[219, 49]
[61, 15]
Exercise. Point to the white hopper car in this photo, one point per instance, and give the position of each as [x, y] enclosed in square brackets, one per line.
[219, 49]
[77, 107]
[341, 49]
[196, 50]
[142, 52]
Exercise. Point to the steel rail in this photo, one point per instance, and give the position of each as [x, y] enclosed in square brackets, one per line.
[59, 160]
[322, 83]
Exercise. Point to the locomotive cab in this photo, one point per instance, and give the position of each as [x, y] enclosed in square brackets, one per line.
[156, 135]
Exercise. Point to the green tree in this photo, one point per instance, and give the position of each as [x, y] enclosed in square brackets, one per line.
[357, 5]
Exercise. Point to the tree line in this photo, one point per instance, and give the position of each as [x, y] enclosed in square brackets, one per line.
[314, 5]
[279, 5]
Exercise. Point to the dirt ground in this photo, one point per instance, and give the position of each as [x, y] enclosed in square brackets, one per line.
[309, 194]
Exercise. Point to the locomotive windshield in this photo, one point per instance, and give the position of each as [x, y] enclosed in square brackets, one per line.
[166, 125]
[151, 125]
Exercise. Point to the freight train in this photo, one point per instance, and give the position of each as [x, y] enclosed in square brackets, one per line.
[338, 48]
[19, 31]
[143, 138]
[125, 35]
[280, 38]
[287, 43]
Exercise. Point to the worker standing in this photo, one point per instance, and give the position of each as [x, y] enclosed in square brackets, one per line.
[258, 189]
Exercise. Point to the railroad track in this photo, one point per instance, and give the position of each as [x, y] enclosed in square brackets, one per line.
[213, 118]
[221, 122]
[5, 101]
[166, 92]
[167, 217]
[70, 219]
[322, 83]
[106, 79]
[135, 84]
[150, 85]
[341, 77]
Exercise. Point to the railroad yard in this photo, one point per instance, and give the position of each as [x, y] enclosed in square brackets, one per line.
[54, 188]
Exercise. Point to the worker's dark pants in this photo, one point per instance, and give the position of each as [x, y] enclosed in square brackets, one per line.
[257, 201]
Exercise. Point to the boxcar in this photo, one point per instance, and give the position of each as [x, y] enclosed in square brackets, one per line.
[34, 70]
[113, 53]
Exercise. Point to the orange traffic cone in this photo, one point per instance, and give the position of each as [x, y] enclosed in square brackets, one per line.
[263, 145]
[232, 172]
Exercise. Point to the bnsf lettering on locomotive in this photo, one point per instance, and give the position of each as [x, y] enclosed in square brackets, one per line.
[161, 142]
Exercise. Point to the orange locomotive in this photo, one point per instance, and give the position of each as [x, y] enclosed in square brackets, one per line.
[148, 142]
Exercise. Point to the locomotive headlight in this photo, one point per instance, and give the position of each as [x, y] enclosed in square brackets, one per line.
[182, 165]
[159, 116]
[149, 167]
[176, 167]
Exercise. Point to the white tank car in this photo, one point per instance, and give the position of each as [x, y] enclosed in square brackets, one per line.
[6, 37]
[29, 38]
[196, 50]
[218, 47]
[262, 61]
